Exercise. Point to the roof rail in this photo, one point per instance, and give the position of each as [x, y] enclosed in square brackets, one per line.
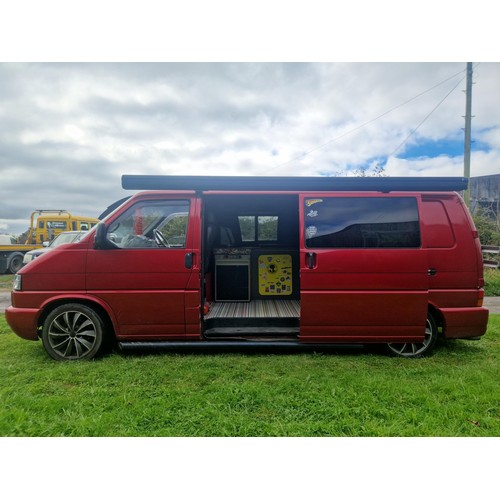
[247, 183]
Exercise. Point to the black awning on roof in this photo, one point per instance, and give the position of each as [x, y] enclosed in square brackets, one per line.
[236, 183]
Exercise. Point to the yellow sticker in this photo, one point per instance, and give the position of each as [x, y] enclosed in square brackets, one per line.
[313, 201]
[275, 275]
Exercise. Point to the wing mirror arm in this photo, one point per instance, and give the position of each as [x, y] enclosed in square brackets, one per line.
[101, 242]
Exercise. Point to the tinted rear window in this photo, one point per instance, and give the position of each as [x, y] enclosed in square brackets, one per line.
[361, 222]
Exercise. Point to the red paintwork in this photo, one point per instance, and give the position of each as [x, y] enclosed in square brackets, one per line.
[363, 294]
[147, 288]
[351, 295]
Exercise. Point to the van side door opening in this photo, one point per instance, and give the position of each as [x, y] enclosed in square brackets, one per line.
[250, 266]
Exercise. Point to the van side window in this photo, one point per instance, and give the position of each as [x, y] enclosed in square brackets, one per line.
[361, 222]
[155, 224]
[258, 227]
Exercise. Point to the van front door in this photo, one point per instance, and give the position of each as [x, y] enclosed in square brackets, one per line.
[363, 273]
[149, 274]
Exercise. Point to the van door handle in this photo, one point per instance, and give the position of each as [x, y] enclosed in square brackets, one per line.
[310, 260]
[431, 272]
[188, 261]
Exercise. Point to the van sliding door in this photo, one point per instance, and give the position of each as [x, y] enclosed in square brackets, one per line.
[363, 273]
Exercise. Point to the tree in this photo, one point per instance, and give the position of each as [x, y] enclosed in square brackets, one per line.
[377, 171]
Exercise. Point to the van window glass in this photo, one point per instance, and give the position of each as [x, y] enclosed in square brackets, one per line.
[247, 227]
[361, 222]
[267, 228]
[258, 227]
[158, 224]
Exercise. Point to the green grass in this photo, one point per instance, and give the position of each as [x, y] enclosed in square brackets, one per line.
[455, 392]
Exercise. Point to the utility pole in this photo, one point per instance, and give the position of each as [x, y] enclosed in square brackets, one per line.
[467, 138]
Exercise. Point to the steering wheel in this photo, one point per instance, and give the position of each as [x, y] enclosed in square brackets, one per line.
[160, 240]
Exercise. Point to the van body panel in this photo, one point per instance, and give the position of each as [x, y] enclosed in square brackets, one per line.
[366, 316]
[23, 321]
[441, 299]
[61, 269]
[464, 322]
[451, 242]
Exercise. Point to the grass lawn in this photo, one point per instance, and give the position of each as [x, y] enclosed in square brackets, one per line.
[455, 392]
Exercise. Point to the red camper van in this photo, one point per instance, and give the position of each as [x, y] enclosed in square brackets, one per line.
[251, 261]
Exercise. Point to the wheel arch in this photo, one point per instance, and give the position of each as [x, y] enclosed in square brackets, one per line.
[99, 307]
[434, 311]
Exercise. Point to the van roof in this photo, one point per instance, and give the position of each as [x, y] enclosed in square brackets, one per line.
[247, 183]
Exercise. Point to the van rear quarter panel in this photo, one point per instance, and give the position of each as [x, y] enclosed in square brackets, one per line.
[454, 255]
[453, 250]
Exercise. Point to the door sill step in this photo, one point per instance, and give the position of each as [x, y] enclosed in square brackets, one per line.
[252, 332]
[239, 344]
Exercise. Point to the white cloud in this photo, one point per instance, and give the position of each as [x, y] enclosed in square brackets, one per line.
[69, 131]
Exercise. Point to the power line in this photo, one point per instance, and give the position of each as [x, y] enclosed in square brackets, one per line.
[425, 119]
[303, 155]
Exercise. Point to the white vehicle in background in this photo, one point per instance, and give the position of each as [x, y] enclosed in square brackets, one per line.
[61, 239]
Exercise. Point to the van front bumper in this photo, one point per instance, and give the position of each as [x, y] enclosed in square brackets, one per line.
[23, 321]
[464, 322]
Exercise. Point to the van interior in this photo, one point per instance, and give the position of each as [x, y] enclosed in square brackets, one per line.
[251, 266]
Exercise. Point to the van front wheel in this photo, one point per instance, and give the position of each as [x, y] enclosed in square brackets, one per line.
[417, 349]
[72, 332]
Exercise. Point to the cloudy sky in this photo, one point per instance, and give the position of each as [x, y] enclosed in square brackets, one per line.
[69, 131]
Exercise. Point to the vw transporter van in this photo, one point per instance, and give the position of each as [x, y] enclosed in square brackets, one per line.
[262, 261]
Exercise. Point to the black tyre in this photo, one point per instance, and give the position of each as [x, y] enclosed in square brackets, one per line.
[417, 349]
[73, 332]
[15, 264]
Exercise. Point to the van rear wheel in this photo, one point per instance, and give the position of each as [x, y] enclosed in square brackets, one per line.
[417, 349]
[72, 332]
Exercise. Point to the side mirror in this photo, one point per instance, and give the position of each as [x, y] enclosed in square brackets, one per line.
[101, 241]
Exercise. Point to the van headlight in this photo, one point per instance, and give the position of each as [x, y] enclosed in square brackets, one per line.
[17, 284]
